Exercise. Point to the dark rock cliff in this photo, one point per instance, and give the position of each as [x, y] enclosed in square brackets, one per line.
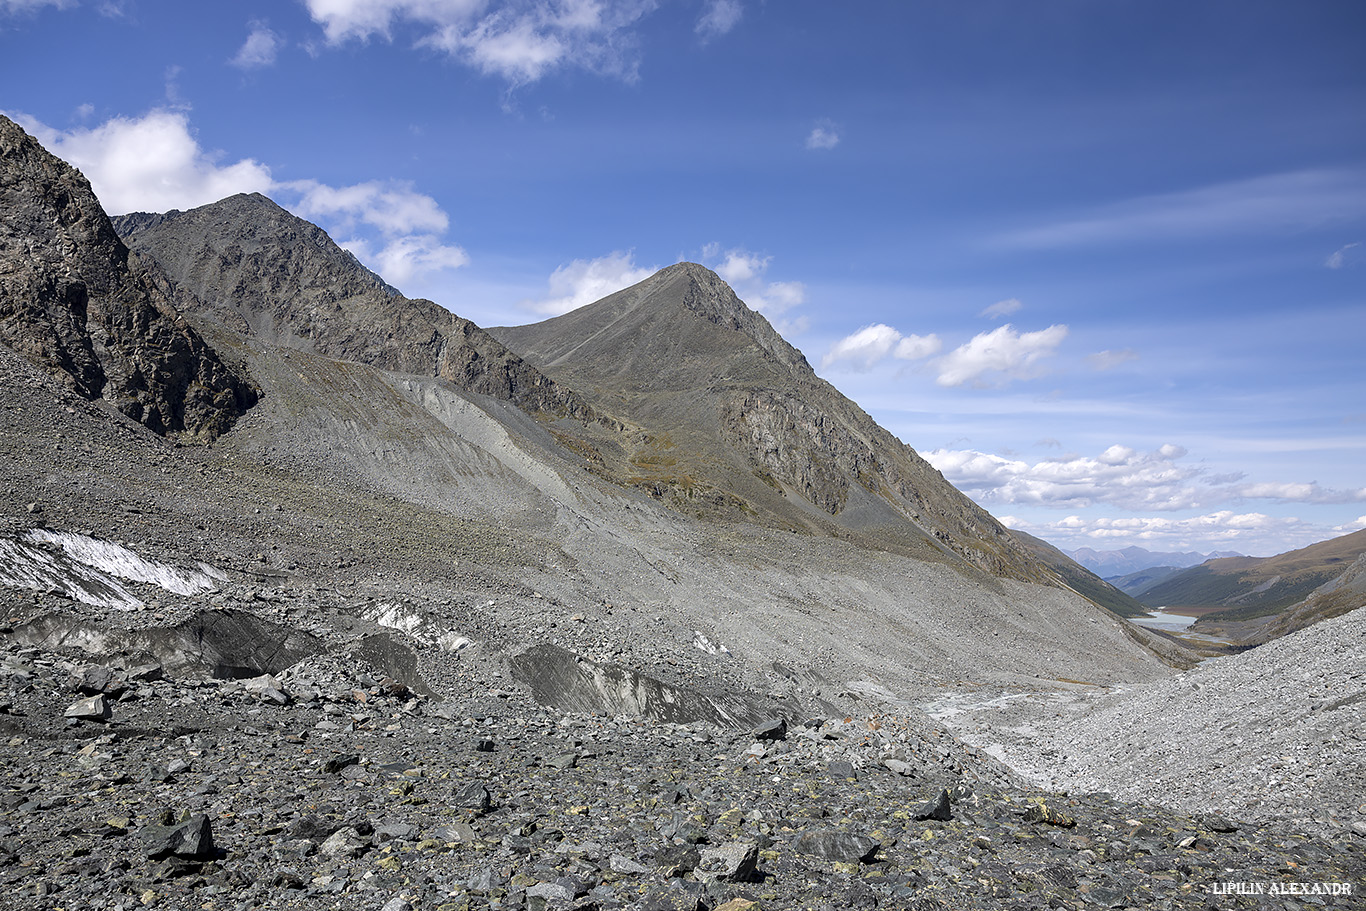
[73, 299]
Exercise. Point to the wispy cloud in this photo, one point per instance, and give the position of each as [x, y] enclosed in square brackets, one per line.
[11, 7]
[259, 50]
[999, 356]
[154, 163]
[1002, 309]
[1246, 532]
[1109, 360]
[1159, 480]
[1277, 202]
[1346, 255]
[584, 281]
[519, 42]
[823, 136]
[719, 17]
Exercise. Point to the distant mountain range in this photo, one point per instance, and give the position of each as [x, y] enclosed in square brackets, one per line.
[1259, 593]
[1110, 564]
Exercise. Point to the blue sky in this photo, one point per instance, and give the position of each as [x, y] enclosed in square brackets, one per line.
[1104, 264]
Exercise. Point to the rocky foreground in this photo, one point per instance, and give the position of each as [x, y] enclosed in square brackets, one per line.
[331, 785]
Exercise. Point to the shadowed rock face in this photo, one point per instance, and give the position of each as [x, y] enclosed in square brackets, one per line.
[731, 406]
[263, 272]
[74, 300]
[560, 679]
[227, 644]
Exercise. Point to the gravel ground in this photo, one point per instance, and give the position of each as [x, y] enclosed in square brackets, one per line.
[1276, 733]
[352, 768]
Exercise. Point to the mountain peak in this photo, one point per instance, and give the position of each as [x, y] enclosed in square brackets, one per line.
[260, 270]
[741, 426]
[708, 295]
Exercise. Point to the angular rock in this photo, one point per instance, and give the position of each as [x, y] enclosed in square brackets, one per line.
[736, 862]
[837, 845]
[95, 708]
[1217, 822]
[311, 827]
[344, 843]
[189, 837]
[1041, 811]
[97, 680]
[671, 898]
[473, 796]
[267, 689]
[937, 807]
[773, 729]
[620, 863]
[678, 860]
[339, 762]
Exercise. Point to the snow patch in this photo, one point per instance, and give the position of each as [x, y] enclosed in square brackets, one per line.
[703, 644]
[89, 570]
[419, 627]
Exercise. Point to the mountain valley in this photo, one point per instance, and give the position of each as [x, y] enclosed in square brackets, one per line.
[625, 609]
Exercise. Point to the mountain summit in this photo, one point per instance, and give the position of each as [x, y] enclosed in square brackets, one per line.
[738, 424]
[268, 274]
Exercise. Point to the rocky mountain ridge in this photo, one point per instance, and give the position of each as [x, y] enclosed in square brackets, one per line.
[1255, 590]
[745, 413]
[74, 299]
[270, 275]
[1111, 563]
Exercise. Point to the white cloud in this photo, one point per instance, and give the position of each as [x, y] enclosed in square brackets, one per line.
[1003, 352]
[1250, 532]
[870, 345]
[1277, 202]
[155, 163]
[584, 281]
[152, 163]
[719, 17]
[740, 266]
[393, 207]
[1001, 308]
[862, 350]
[28, 6]
[914, 347]
[519, 41]
[401, 260]
[823, 136]
[776, 298]
[1109, 360]
[1347, 255]
[260, 48]
[1120, 476]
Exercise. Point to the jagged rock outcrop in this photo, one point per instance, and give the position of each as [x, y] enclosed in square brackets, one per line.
[732, 407]
[73, 299]
[266, 273]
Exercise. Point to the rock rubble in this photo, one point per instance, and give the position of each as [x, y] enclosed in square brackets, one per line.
[352, 792]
